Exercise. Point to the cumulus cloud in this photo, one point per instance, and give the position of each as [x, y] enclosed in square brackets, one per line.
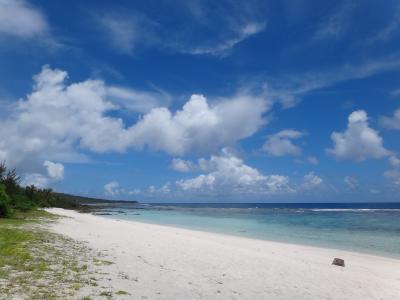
[199, 126]
[54, 170]
[228, 173]
[112, 188]
[281, 143]
[57, 121]
[198, 182]
[359, 141]
[181, 165]
[55, 173]
[35, 179]
[19, 19]
[166, 188]
[311, 181]
[136, 100]
[391, 122]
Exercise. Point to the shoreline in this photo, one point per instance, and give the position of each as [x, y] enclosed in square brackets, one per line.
[238, 235]
[165, 262]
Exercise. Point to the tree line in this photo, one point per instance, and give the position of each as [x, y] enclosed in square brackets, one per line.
[14, 197]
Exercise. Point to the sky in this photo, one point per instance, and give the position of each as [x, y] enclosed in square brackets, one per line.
[203, 101]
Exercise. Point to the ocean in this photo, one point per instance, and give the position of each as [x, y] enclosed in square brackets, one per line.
[372, 228]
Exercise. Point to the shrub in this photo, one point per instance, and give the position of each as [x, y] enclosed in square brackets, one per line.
[22, 202]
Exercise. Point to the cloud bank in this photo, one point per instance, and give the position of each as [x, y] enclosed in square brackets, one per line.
[228, 173]
[64, 122]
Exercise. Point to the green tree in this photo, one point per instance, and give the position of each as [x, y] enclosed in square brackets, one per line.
[5, 207]
[3, 170]
[11, 181]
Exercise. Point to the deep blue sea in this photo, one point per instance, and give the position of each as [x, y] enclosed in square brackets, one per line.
[372, 228]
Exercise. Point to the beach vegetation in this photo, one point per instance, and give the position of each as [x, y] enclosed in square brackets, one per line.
[107, 294]
[122, 293]
[36, 263]
[16, 198]
[101, 262]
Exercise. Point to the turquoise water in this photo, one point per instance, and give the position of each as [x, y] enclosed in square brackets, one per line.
[368, 228]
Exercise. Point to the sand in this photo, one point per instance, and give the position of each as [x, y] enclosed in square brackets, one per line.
[160, 262]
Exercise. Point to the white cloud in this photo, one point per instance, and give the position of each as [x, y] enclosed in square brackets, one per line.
[35, 179]
[136, 100]
[391, 122]
[281, 144]
[55, 173]
[216, 29]
[335, 25]
[198, 182]
[112, 188]
[151, 189]
[358, 142]
[57, 121]
[290, 89]
[199, 126]
[54, 170]
[181, 165]
[311, 181]
[388, 32]
[19, 19]
[123, 32]
[228, 173]
[312, 160]
[166, 188]
[209, 29]
[134, 192]
[309, 160]
[222, 47]
[394, 161]
[394, 174]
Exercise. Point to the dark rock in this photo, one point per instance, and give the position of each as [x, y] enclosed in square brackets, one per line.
[338, 262]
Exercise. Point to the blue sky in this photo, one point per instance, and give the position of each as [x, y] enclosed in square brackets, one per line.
[202, 100]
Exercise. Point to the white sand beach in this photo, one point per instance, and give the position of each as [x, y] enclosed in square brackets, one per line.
[160, 262]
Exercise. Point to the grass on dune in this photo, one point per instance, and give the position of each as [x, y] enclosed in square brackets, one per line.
[34, 263]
